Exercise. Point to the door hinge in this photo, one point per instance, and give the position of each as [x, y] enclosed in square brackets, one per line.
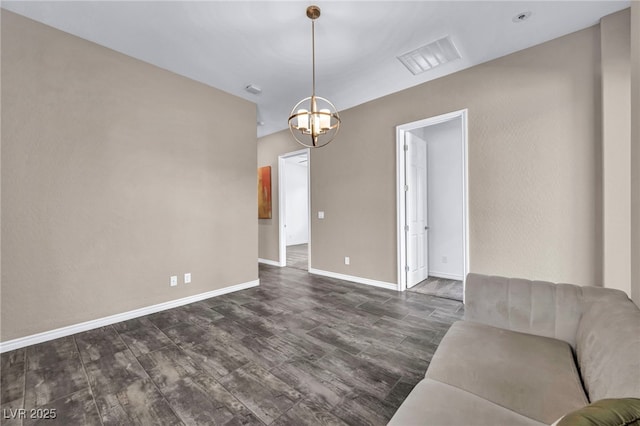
[406, 147]
[406, 188]
[406, 228]
[406, 268]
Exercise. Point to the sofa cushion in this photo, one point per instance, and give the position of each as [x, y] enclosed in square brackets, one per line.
[608, 350]
[535, 307]
[534, 376]
[435, 403]
[606, 412]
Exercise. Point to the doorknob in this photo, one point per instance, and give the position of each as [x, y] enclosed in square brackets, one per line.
[426, 228]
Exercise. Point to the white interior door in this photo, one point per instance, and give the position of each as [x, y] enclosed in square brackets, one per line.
[296, 200]
[282, 207]
[417, 228]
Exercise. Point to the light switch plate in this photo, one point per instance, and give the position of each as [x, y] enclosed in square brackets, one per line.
[187, 278]
[174, 280]
[320, 215]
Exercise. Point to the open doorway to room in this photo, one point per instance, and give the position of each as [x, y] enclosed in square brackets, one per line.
[432, 205]
[294, 209]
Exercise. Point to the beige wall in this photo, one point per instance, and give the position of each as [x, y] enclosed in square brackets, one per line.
[269, 148]
[534, 168]
[635, 152]
[115, 176]
[616, 150]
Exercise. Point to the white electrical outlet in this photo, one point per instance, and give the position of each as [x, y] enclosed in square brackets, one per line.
[187, 278]
[444, 259]
[174, 280]
[347, 261]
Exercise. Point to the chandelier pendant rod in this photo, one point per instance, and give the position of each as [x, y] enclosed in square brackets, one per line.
[313, 56]
[312, 116]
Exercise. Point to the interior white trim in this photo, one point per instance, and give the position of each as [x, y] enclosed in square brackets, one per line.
[282, 243]
[401, 208]
[359, 280]
[401, 182]
[45, 336]
[445, 275]
[270, 262]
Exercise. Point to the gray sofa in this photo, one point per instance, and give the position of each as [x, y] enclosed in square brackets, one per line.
[527, 353]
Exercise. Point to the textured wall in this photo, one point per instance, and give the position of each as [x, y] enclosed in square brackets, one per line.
[635, 152]
[616, 150]
[534, 168]
[115, 175]
[269, 148]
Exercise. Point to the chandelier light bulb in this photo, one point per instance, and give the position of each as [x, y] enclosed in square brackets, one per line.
[303, 120]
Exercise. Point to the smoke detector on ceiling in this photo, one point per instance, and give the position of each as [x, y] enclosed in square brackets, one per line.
[430, 56]
[521, 17]
[252, 88]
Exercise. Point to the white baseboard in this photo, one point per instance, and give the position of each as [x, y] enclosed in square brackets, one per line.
[446, 275]
[112, 319]
[270, 262]
[359, 280]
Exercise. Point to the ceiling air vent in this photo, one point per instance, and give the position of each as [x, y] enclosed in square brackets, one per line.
[430, 56]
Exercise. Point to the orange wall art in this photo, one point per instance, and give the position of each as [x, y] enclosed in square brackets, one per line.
[264, 192]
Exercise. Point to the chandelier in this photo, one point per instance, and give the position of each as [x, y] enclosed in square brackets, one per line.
[314, 121]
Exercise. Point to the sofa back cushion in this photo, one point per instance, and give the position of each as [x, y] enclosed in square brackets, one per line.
[608, 349]
[534, 307]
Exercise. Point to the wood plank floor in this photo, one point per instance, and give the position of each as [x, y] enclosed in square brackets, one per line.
[298, 256]
[298, 350]
[441, 287]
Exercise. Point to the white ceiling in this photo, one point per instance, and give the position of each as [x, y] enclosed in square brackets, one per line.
[230, 44]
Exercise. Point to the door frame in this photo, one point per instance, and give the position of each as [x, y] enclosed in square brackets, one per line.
[401, 130]
[282, 236]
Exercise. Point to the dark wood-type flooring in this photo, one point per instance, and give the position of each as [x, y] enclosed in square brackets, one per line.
[441, 287]
[298, 256]
[299, 349]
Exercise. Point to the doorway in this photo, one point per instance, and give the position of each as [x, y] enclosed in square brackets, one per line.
[432, 201]
[294, 216]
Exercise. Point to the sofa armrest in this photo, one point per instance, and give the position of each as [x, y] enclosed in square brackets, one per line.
[534, 307]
